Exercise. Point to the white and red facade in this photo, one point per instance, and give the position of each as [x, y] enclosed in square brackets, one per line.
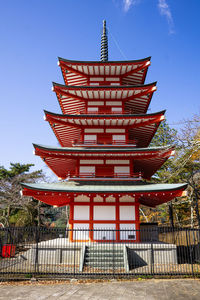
[104, 133]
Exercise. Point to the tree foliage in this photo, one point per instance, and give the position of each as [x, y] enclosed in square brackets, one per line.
[183, 167]
[164, 136]
[10, 199]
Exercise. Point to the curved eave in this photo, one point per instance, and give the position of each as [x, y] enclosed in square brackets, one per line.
[101, 150]
[96, 120]
[102, 87]
[64, 161]
[113, 187]
[83, 73]
[62, 194]
[67, 128]
[74, 98]
[103, 62]
[107, 116]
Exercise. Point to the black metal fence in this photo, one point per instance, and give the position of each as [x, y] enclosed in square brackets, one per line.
[48, 252]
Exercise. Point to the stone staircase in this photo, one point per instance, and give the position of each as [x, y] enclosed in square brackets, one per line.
[104, 258]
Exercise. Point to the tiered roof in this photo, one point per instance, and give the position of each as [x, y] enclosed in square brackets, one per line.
[104, 84]
[132, 72]
[67, 128]
[62, 193]
[62, 160]
[74, 99]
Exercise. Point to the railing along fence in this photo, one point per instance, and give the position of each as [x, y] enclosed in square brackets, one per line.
[48, 252]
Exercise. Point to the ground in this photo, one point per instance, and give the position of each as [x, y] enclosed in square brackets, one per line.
[148, 289]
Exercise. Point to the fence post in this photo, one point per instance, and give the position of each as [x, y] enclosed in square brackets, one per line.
[152, 256]
[74, 241]
[113, 237]
[197, 207]
[189, 243]
[36, 249]
[189, 246]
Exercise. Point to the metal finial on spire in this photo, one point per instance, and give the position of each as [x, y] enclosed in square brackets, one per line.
[104, 43]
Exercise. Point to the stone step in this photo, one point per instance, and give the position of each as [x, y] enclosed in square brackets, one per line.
[102, 258]
[105, 265]
[110, 248]
[105, 260]
[105, 251]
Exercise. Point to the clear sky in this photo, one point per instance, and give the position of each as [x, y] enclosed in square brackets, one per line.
[35, 32]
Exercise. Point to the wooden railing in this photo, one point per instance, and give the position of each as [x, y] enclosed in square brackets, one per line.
[89, 175]
[113, 143]
[90, 142]
[115, 112]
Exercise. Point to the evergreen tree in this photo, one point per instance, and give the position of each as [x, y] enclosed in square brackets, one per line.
[14, 208]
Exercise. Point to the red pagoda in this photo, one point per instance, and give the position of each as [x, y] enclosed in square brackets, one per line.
[104, 162]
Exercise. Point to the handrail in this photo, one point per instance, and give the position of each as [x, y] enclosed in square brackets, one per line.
[114, 142]
[115, 112]
[114, 175]
[118, 142]
[89, 142]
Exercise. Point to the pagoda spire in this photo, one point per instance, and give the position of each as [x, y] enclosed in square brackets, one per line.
[104, 43]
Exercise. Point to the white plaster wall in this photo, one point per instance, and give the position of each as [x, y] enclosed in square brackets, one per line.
[81, 235]
[94, 83]
[116, 103]
[98, 198]
[94, 130]
[92, 103]
[127, 198]
[127, 213]
[110, 199]
[119, 109]
[114, 83]
[104, 212]
[96, 78]
[112, 78]
[91, 161]
[129, 229]
[104, 234]
[93, 109]
[117, 162]
[124, 169]
[81, 198]
[116, 137]
[113, 130]
[89, 169]
[90, 137]
[81, 212]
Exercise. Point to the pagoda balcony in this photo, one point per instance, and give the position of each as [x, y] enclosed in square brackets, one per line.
[115, 176]
[94, 143]
[107, 112]
[114, 112]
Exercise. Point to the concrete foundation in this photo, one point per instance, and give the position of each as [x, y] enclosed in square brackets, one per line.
[61, 251]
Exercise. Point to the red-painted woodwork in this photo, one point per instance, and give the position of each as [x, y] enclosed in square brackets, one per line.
[103, 132]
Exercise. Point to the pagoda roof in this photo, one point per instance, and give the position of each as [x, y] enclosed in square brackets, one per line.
[73, 99]
[60, 193]
[62, 160]
[67, 128]
[81, 72]
[100, 62]
[101, 150]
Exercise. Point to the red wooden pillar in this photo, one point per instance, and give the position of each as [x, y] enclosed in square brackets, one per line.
[91, 219]
[71, 218]
[117, 219]
[137, 218]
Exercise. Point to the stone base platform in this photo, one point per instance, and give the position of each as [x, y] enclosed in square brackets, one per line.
[125, 255]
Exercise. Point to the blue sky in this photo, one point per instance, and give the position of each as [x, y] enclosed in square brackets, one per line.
[35, 32]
